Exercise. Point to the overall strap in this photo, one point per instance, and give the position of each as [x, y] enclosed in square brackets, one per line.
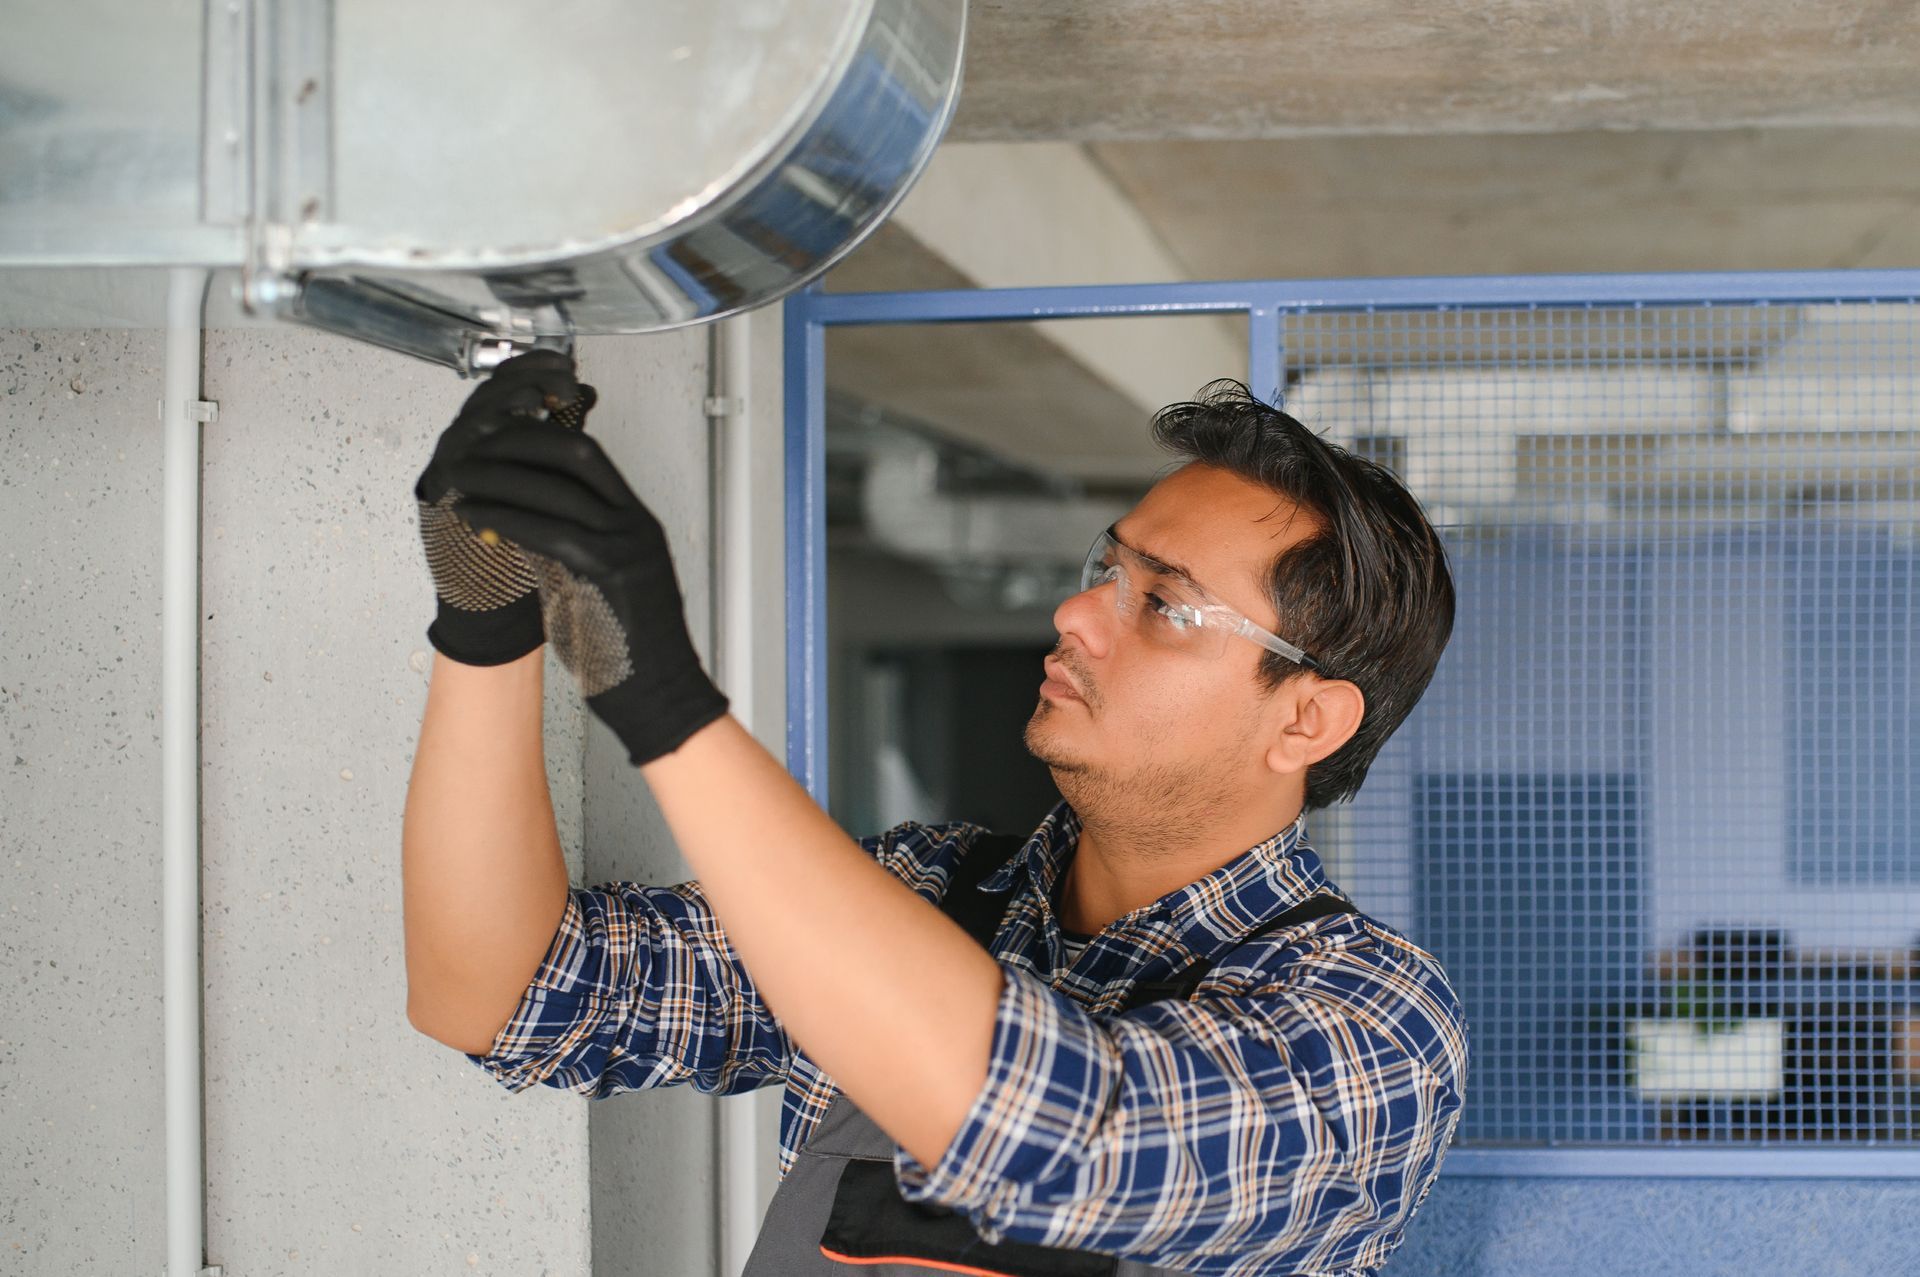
[979, 912]
[1187, 979]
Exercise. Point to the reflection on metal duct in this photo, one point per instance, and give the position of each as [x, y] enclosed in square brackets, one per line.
[453, 189]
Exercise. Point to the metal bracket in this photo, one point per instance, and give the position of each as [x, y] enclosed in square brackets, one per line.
[267, 153]
[484, 354]
[369, 311]
[204, 411]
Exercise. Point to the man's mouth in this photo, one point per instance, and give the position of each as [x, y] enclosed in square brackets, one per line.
[1059, 683]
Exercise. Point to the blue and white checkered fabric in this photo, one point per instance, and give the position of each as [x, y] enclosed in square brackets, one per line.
[1289, 1118]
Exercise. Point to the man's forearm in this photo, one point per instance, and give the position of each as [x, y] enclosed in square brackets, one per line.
[885, 992]
[484, 880]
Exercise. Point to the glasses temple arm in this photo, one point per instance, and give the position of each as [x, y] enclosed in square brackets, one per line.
[1274, 643]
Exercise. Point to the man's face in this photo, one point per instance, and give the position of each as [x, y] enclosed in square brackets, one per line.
[1151, 727]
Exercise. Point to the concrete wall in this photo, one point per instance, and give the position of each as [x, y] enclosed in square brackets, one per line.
[338, 1139]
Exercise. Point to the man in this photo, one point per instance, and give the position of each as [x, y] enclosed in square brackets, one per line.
[1053, 1096]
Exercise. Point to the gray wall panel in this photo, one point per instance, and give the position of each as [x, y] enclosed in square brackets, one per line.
[654, 1172]
[338, 1138]
[338, 1134]
[80, 1025]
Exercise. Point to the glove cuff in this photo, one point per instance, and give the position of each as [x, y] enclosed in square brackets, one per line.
[493, 637]
[653, 721]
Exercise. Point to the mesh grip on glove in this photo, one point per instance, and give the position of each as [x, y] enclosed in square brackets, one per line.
[474, 573]
[652, 710]
[467, 572]
[585, 633]
[628, 648]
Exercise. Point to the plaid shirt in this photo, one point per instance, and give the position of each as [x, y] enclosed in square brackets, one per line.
[1289, 1118]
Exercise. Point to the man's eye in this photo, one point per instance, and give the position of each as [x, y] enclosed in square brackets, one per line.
[1172, 613]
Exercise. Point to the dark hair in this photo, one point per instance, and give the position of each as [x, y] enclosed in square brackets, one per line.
[1369, 597]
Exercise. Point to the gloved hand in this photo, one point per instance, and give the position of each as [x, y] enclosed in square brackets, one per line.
[489, 606]
[611, 601]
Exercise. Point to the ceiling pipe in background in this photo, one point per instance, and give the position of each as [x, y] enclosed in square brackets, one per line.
[910, 512]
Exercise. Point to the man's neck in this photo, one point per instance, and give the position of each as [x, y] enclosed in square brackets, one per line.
[1116, 871]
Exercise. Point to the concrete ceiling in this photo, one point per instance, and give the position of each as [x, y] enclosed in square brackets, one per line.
[1102, 141]
[1506, 204]
[1005, 387]
[1363, 138]
[1106, 70]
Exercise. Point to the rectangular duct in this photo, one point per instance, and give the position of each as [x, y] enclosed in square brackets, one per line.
[442, 185]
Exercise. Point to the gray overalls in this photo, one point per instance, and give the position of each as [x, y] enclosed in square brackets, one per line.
[839, 1209]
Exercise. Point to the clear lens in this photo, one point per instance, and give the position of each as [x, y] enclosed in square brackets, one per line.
[1153, 604]
[1163, 610]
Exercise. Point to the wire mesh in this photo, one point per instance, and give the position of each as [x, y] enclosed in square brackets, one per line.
[1656, 812]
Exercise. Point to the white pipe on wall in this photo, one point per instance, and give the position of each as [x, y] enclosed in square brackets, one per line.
[737, 590]
[181, 418]
[742, 1144]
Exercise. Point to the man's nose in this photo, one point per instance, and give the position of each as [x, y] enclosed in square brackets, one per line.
[1089, 616]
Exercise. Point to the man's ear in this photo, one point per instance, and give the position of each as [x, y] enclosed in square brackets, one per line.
[1318, 716]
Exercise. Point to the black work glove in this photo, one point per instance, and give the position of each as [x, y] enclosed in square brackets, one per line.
[488, 593]
[612, 603]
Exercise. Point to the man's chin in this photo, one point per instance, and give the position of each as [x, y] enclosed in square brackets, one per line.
[1041, 745]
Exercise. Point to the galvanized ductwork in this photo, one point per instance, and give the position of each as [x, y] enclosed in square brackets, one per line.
[446, 181]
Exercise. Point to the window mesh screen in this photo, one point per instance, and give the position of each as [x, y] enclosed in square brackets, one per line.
[1656, 811]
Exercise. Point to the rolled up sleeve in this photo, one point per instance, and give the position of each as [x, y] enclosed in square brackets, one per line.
[1266, 1123]
[639, 988]
[1050, 1078]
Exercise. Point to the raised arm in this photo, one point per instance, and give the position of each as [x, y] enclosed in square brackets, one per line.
[484, 880]
[483, 877]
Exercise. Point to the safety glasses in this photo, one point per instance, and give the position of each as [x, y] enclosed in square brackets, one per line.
[1170, 609]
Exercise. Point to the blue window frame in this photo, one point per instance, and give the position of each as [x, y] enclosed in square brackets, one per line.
[1604, 818]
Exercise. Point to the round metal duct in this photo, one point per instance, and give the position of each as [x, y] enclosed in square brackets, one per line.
[443, 180]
